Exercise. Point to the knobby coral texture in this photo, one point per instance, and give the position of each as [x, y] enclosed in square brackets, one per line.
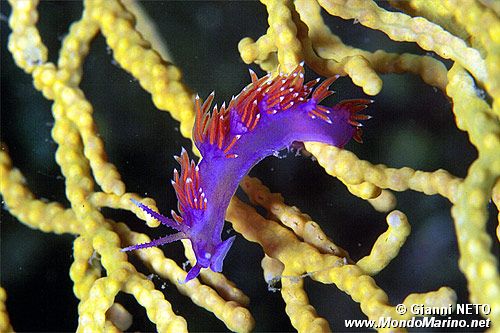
[85, 152]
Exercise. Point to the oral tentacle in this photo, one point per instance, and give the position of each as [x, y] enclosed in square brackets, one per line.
[156, 242]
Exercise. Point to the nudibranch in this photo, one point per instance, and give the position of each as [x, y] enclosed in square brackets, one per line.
[266, 117]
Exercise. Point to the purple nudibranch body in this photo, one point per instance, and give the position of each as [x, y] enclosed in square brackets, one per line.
[267, 116]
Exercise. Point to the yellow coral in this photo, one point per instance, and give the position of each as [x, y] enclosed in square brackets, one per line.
[4, 317]
[477, 262]
[387, 245]
[292, 217]
[295, 247]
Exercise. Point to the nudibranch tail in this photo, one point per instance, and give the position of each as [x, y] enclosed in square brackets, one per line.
[266, 116]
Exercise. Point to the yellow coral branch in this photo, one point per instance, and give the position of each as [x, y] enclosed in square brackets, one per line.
[350, 170]
[385, 202]
[387, 245]
[299, 258]
[329, 46]
[496, 200]
[4, 317]
[25, 42]
[283, 32]
[73, 50]
[280, 243]
[100, 199]
[58, 83]
[134, 54]
[48, 217]
[119, 317]
[401, 27]
[470, 213]
[224, 287]
[230, 311]
[484, 25]
[292, 217]
[434, 11]
[158, 309]
[85, 269]
[302, 315]
[147, 28]
[443, 297]
[272, 269]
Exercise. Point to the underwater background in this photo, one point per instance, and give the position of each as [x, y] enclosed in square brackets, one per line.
[412, 126]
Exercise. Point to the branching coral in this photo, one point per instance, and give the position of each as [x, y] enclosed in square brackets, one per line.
[295, 247]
